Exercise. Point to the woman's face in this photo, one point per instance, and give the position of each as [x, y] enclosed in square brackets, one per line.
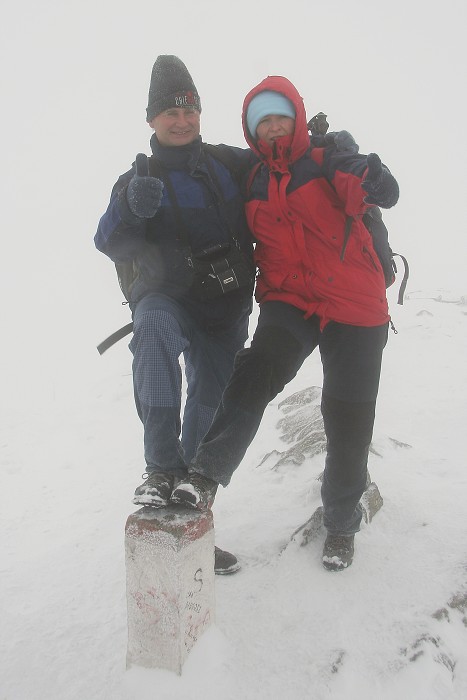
[273, 126]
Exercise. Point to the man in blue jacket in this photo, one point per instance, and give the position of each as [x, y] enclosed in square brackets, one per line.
[166, 220]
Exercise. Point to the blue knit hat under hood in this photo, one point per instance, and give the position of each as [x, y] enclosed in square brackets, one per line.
[266, 103]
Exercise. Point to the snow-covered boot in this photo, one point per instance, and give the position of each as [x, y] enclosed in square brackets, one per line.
[338, 552]
[225, 562]
[155, 491]
[196, 491]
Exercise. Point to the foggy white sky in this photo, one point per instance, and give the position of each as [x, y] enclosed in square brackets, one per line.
[75, 77]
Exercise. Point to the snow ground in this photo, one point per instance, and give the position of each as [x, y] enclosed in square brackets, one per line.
[390, 626]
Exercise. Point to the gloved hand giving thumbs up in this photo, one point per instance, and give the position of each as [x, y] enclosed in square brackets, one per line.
[144, 193]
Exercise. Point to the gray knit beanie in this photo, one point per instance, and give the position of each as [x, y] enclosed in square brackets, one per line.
[171, 86]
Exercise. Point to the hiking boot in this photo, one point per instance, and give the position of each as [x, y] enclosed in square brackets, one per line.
[196, 491]
[225, 562]
[338, 552]
[155, 491]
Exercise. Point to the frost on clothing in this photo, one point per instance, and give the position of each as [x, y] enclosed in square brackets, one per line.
[299, 219]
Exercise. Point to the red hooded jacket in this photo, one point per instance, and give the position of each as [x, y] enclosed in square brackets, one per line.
[297, 205]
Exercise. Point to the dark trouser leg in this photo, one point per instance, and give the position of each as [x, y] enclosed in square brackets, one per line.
[156, 345]
[348, 428]
[280, 344]
[209, 362]
[352, 363]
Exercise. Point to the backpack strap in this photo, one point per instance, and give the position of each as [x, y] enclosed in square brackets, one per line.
[114, 338]
[400, 296]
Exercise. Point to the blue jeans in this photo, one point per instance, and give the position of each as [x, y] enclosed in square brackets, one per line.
[351, 358]
[163, 331]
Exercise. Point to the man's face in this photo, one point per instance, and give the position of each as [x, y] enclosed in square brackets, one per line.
[177, 126]
[273, 126]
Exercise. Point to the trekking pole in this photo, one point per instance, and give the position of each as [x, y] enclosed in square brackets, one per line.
[318, 125]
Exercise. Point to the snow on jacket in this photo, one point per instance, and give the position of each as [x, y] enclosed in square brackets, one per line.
[210, 205]
[296, 208]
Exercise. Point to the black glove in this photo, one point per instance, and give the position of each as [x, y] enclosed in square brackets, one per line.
[343, 140]
[381, 186]
[144, 193]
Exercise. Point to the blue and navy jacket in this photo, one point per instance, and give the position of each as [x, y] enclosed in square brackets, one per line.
[211, 207]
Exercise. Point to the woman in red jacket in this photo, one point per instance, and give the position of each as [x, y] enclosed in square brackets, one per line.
[320, 284]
